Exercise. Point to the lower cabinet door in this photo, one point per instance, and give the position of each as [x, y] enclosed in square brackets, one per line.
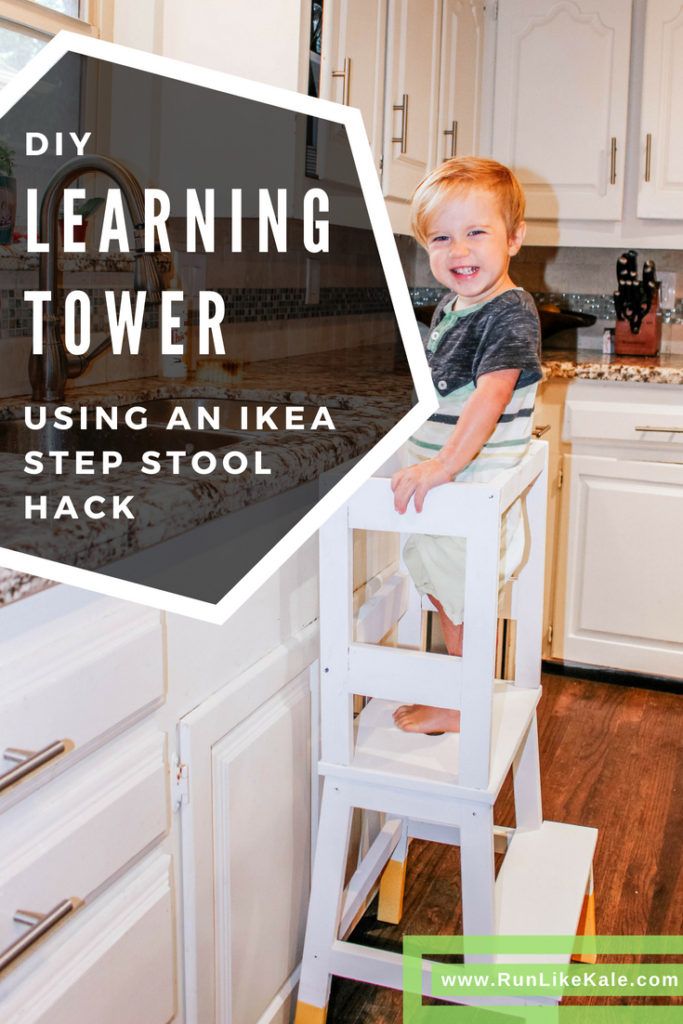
[110, 963]
[620, 574]
[246, 836]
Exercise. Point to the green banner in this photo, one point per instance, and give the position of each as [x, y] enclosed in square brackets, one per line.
[503, 973]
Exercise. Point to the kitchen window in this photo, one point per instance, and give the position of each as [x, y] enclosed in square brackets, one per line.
[26, 26]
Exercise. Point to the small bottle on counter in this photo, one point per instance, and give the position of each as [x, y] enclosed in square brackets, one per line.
[608, 341]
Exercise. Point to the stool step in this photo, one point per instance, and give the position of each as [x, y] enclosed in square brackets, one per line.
[431, 762]
[541, 885]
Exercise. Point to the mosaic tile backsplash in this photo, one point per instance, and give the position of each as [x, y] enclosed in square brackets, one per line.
[600, 306]
[242, 305]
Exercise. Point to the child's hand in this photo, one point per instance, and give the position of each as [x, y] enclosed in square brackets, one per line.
[415, 481]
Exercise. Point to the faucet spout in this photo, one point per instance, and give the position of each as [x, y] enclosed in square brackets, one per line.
[49, 372]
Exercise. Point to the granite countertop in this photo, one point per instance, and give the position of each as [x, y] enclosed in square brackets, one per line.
[363, 409]
[190, 500]
[15, 257]
[665, 368]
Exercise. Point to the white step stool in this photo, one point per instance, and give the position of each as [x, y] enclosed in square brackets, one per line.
[439, 788]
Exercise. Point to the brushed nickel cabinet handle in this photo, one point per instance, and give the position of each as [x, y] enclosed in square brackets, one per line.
[346, 75]
[40, 925]
[648, 156]
[613, 161]
[453, 132]
[540, 431]
[661, 430]
[28, 761]
[403, 137]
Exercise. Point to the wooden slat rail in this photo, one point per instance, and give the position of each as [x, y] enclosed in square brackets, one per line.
[380, 612]
[452, 509]
[391, 672]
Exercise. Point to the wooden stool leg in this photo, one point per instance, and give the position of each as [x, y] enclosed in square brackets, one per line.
[392, 882]
[477, 871]
[587, 923]
[527, 782]
[325, 905]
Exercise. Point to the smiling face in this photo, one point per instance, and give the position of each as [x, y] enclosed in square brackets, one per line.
[470, 248]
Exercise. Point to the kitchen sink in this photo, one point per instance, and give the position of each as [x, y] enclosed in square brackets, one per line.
[159, 411]
[16, 438]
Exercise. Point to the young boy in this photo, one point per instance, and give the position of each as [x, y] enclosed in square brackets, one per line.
[484, 355]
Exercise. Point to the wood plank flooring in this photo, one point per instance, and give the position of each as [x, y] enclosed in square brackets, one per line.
[611, 757]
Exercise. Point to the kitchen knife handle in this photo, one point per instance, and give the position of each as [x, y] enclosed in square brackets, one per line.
[613, 161]
[648, 156]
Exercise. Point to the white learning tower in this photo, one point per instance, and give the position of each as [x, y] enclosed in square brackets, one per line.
[437, 788]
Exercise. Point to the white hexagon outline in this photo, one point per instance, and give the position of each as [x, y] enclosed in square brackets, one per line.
[88, 579]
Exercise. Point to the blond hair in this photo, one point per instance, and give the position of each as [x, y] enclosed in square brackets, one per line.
[460, 175]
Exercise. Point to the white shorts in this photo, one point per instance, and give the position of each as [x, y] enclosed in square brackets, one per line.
[437, 563]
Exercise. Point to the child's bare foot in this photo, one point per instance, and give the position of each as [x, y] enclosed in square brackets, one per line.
[423, 718]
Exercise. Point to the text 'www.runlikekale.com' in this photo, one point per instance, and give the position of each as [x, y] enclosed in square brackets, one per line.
[612, 979]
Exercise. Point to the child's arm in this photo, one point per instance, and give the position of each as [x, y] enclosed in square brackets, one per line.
[476, 423]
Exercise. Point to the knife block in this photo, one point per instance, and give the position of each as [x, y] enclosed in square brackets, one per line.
[646, 342]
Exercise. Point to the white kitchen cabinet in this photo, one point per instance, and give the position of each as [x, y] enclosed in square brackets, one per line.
[73, 837]
[88, 672]
[412, 95]
[618, 594]
[352, 72]
[621, 525]
[246, 831]
[78, 668]
[561, 88]
[461, 78]
[660, 192]
[195, 775]
[111, 963]
[415, 69]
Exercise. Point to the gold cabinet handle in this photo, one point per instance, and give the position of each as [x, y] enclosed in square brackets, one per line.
[28, 761]
[648, 156]
[346, 75]
[40, 925]
[660, 430]
[540, 431]
[453, 132]
[403, 137]
[613, 161]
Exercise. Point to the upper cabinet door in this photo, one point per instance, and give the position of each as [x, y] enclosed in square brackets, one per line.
[661, 168]
[462, 42]
[352, 72]
[561, 91]
[413, 48]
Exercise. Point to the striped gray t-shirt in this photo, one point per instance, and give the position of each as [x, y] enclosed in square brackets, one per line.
[501, 334]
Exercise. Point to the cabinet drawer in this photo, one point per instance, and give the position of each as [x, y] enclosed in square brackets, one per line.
[638, 420]
[72, 838]
[77, 668]
[110, 963]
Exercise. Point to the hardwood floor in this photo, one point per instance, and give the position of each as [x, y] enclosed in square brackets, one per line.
[611, 757]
